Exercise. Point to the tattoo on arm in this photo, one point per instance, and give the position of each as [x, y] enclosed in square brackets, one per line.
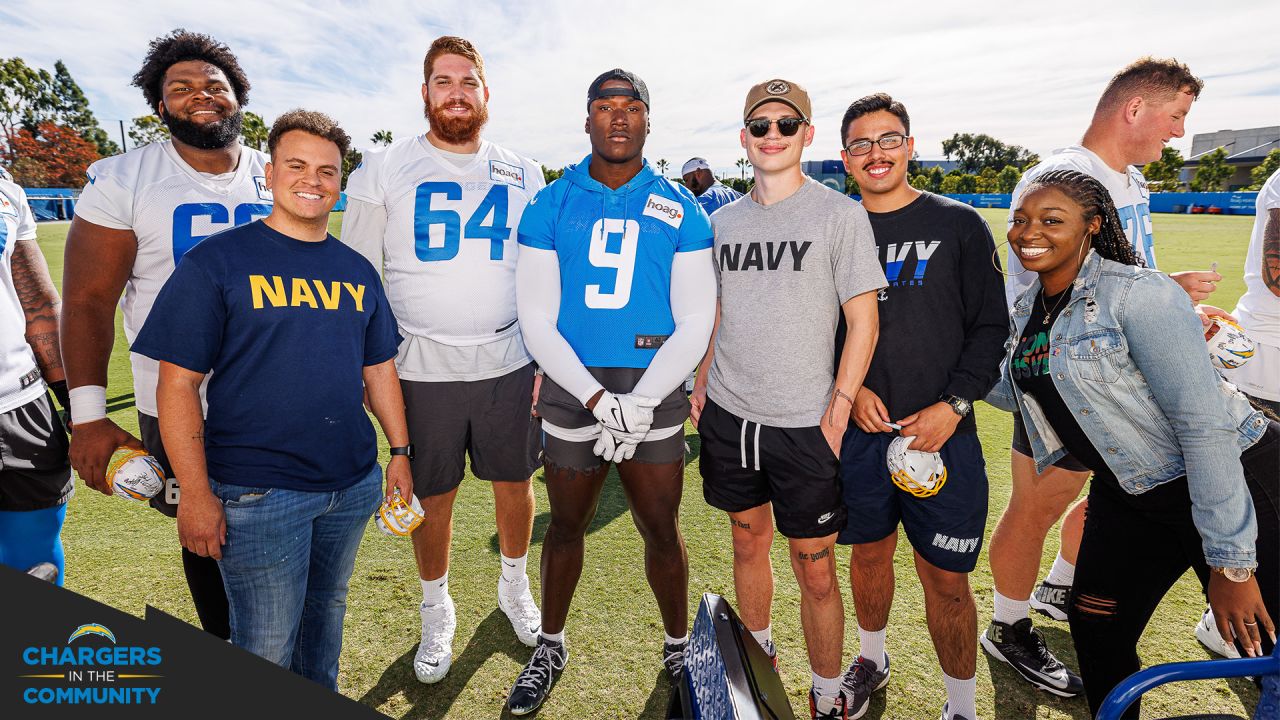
[40, 304]
[1271, 251]
[814, 557]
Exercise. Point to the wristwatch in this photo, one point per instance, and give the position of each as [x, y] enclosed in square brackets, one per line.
[959, 406]
[407, 451]
[1235, 574]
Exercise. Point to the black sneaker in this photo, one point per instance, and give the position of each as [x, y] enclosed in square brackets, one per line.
[1051, 600]
[673, 659]
[832, 708]
[1023, 648]
[860, 680]
[537, 678]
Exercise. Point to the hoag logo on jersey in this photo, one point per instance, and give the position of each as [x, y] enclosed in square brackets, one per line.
[667, 210]
[510, 174]
[260, 184]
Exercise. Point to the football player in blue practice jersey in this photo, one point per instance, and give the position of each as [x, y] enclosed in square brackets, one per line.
[615, 291]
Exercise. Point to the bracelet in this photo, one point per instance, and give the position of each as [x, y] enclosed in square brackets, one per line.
[842, 394]
[88, 403]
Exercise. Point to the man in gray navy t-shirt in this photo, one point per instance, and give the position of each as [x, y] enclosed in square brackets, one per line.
[769, 403]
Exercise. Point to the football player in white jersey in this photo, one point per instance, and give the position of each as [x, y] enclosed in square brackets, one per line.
[1143, 107]
[137, 216]
[35, 479]
[437, 213]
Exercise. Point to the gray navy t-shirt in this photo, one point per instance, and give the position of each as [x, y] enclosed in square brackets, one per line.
[784, 270]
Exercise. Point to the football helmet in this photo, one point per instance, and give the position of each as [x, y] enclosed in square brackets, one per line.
[399, 518]
[920, 473]
[1229, 345]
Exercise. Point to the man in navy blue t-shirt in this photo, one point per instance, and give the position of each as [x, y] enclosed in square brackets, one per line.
[280, 481]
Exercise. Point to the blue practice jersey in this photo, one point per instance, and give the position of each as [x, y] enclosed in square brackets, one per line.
[615, 249]
[717, 196]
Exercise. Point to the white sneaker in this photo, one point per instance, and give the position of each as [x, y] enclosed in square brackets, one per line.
[435, 652]
[1207, 634]
[517, 603]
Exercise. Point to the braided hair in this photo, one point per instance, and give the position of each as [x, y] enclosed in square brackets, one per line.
[1090, 194]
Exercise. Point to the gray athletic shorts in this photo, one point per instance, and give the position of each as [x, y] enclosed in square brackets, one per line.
[491, 421]
[34, 472]
[561, 409]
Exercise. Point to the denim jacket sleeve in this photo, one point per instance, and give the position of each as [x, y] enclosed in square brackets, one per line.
[1167, 345]
[1001, 396]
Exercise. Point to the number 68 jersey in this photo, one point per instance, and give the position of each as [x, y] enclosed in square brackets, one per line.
[170, 207]
[449, 248]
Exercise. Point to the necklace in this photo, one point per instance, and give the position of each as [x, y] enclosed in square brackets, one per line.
[1048, 314]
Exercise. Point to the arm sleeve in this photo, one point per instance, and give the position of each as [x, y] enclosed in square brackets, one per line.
[186, 323]
[106, 201]
[1166, 341]
[986, 317]
[364, 225]
[854, 259]
[538, 307]
[693, 304]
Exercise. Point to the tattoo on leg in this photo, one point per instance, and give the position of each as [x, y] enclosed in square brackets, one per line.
[738, 523]
[814, 557]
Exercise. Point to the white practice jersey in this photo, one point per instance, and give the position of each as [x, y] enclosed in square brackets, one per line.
[449, 249]
[20, 380]
[170, 207]
[1128, 191]
[1258, 310]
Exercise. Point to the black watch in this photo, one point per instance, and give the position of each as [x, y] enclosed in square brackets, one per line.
[407, 451]
[959, 406]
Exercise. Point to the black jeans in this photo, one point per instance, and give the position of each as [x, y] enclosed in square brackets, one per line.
[1135, 547]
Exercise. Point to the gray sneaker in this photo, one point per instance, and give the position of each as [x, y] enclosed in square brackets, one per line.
[861, 679]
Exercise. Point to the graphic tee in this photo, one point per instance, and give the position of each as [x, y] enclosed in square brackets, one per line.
[1029, 368]
[170, 207]
[20, 380]
[286, 327]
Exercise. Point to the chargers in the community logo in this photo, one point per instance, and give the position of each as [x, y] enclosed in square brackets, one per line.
[91, 669]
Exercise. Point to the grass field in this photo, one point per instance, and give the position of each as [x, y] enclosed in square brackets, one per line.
[614, 633]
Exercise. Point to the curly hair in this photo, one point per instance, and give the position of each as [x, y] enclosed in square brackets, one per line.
[179, 46]
[1093, 198]
[308, 121]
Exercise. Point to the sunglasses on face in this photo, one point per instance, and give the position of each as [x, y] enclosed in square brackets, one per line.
[788, 126]
[862, 147]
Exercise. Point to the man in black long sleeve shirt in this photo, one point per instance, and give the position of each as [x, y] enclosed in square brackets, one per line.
[943, 325]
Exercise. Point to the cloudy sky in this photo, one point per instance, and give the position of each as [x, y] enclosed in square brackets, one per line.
[1030, 77]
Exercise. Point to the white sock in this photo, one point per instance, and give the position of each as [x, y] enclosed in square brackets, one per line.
[871, 646]
[763, 636]
[825, 687]
[553, 637]
[960, 695]
[1062, 572]
[435, 591]
[674, 640]
[513, 569]
[1008, 610]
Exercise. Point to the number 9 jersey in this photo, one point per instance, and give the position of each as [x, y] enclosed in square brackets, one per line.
[169, 206]
[615, 249]
[449, 248]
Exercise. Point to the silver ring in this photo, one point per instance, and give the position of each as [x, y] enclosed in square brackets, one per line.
[1250, 624]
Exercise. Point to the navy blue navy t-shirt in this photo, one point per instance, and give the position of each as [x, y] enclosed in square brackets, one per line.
[286, 327]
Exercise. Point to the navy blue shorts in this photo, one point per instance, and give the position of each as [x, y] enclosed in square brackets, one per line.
[946, 529]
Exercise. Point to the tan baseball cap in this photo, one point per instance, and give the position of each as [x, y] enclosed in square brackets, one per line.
[778, 90]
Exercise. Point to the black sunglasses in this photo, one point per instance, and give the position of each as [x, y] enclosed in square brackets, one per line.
[788, 126]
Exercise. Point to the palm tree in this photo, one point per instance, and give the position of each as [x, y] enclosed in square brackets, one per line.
[742, 167]
[662, 166]
[381, 137]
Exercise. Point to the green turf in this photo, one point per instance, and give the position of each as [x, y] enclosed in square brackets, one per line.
[126, 555]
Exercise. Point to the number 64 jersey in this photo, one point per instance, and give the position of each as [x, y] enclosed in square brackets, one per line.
[170, 207]
[449, 247]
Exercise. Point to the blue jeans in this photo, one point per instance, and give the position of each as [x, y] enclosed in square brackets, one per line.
[286, 564]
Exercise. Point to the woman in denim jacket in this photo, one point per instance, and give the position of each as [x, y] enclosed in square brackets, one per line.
[1107, 361]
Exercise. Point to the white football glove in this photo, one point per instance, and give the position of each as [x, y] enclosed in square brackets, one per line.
[627, 417]
[611, 449]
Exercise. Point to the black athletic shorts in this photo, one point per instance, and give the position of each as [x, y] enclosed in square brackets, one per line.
[166, 501]
[746, 464]
[34, 472]
[945, 528]
[491, 421]
[1023, 445]
[561, 409]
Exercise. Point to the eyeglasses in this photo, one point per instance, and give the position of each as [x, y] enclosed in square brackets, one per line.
[862, 147]
[788, 126]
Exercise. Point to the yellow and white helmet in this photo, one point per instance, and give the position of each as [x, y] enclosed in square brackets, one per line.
[920, 473]
[1229, 345]
[400, 518]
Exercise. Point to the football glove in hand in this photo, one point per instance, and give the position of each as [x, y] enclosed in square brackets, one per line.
[611, 449]
[627, 417]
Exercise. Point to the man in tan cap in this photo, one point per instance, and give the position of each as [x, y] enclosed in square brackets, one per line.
[769, 402]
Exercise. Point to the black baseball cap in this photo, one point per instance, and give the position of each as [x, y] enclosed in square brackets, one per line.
[638, 90]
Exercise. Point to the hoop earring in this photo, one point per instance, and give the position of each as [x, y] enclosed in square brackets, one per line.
[996, 263]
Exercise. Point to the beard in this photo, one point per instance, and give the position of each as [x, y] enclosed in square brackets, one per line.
[210, 136]
[453, 129]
